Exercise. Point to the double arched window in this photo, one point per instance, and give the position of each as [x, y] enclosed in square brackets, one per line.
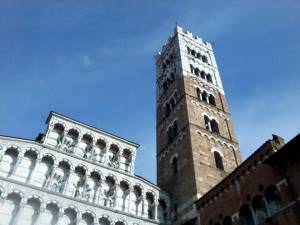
[211, 125]
[197, 55]
[205, 97]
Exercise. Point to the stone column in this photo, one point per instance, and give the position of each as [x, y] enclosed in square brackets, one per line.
[37, 162]
[67, 180]
[106, 154]
[50, 177]
[155, 209]
[60, 216]
[15, 219]
[129, 198]
[19, 159]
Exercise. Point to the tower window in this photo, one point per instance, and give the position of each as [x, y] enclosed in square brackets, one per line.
[165, 86]
[197, 72]
[193, 53]
[168, 110]
[203, 75]
[172, 102]
[175, 128]
[172, 77]
[204, 96]
[192, 69]
[212, 100]
[188, 50]
[214, 126]
[172, 132]
[175, 165]
[211, 125]
[204, 59]
[207, 123]
[209, 78]
[198, 93]
[218, 160]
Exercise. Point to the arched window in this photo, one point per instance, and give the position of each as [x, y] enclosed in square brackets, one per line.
[114, 156]
[162, 211]
[193, 53]
[203, 75]
[170, 135]
[209, 78]
[138, 200]
[207, 122]
[212, 100]
[150, 205]
[198, 55]
[172, 77]
[245, 216]
[165, 86]
[197, 72]
[172, 103]
[198, 93]
[167, 109]
[204, 59]
[273, 199]
[214, 126]
[125, 193]
[218, 160]
[260, 210]
[175, 165]
[175, 128]
[204, 96]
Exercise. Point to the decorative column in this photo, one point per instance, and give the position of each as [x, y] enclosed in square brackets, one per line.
[67, 181]
[132, 166]
[20, 209]
[50, 177]
[130, 190]
[18, 161]
[37, 162]
[144, 203]
[60, 216]
[1, 154]
[155, 209]
[106, 155]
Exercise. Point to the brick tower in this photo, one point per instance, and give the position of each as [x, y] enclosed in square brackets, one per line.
[196, 143]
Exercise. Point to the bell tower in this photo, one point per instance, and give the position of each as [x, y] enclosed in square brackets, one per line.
[196, 143]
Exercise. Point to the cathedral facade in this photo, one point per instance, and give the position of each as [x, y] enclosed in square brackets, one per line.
[75, 174]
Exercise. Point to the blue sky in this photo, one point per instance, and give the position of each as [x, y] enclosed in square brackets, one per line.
[94, 61]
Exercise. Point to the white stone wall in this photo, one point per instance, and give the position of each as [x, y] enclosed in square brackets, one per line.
[41, 185]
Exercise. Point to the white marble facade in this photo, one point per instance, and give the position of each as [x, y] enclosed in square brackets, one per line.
[75, 175]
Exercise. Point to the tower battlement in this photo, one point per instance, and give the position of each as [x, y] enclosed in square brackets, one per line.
[188, 34]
